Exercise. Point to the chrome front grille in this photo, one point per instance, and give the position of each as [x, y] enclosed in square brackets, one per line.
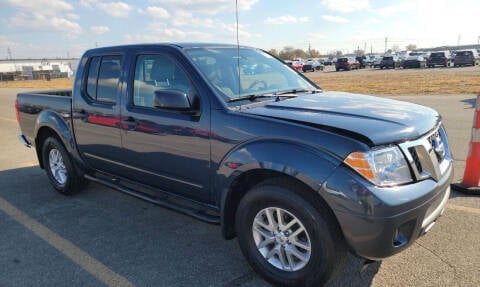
[429, 156]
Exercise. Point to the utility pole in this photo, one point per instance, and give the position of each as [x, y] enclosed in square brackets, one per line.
[386, 43]
[11, 58]
[458, 40]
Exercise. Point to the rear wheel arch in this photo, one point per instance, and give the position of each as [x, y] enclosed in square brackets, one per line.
[42, 134]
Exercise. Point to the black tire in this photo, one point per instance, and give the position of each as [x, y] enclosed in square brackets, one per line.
[73, 183]
[328, 250]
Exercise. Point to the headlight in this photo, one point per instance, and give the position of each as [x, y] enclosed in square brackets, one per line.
[383, 167]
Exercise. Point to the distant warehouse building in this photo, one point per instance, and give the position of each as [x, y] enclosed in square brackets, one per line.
[452, 48]
[36, 69]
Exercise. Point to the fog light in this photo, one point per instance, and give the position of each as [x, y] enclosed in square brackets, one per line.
[403, 233]
[399, 238]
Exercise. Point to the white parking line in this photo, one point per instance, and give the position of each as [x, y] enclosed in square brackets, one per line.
[77, 255]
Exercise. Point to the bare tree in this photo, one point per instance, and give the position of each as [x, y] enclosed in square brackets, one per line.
[411, 47]
[273, 52]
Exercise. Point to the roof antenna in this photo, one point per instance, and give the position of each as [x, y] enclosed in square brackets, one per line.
[238, 48]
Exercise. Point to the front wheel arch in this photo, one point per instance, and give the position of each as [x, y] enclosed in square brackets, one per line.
[250, 179]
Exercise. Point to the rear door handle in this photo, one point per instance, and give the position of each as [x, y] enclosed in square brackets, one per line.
[129, 123]
[82, 115]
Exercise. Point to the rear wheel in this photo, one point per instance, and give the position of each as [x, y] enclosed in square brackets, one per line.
[285, 238]
[59, 167]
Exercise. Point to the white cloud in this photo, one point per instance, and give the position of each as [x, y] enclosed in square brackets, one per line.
[183, 18]
[115, 9]
[45, 15]
[285, 19]
[346, 6]
[6, 42]
[335, 19]
[99, 29]
[88, 3]
[155, 12]
[46, 23]
[208, 6]
[72, 16]
[46, 7]
[396, 9]
[160, 33]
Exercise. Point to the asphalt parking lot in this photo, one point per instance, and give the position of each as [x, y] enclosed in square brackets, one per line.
[102, 237]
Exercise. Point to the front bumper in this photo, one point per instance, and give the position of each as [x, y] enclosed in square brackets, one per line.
[380, 222]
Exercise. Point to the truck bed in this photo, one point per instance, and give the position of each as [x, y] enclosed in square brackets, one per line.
[32, 104]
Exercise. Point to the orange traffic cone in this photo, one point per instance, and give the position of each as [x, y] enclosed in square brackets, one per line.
[471, 176]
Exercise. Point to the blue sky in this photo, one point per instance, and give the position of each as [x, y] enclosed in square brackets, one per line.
[57, 28]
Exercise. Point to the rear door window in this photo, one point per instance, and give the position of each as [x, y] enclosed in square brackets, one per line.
[92, 77]
[103, 78]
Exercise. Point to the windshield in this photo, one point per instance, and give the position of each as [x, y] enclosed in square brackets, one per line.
[258, 73]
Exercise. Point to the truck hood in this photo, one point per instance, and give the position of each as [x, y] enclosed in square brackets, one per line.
[373, 120]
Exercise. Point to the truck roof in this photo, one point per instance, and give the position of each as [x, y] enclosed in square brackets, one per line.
[166, 44]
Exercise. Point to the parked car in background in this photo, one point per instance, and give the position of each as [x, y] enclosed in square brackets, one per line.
[297, 65]
[439, 59]
[312, 66]
[369, 60]
[362, 61]
[328, 62]
[346, 64]
[415, 60]
[465, 58]
[376, 62]
[389, 62]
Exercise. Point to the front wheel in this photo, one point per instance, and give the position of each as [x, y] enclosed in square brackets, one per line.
[59, 167]
[285, 238]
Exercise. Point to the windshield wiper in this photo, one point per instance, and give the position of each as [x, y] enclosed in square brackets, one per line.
[251, 97]
[284, 94]
[295, 91]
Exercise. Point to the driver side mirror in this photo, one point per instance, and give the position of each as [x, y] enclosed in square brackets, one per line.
[172, 99]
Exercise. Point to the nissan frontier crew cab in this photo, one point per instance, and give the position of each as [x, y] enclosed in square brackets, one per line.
[233, 136]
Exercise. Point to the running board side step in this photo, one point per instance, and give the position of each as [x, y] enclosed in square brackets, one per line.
[167, 201]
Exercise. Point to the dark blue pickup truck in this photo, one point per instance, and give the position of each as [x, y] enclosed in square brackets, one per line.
[232, 135]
